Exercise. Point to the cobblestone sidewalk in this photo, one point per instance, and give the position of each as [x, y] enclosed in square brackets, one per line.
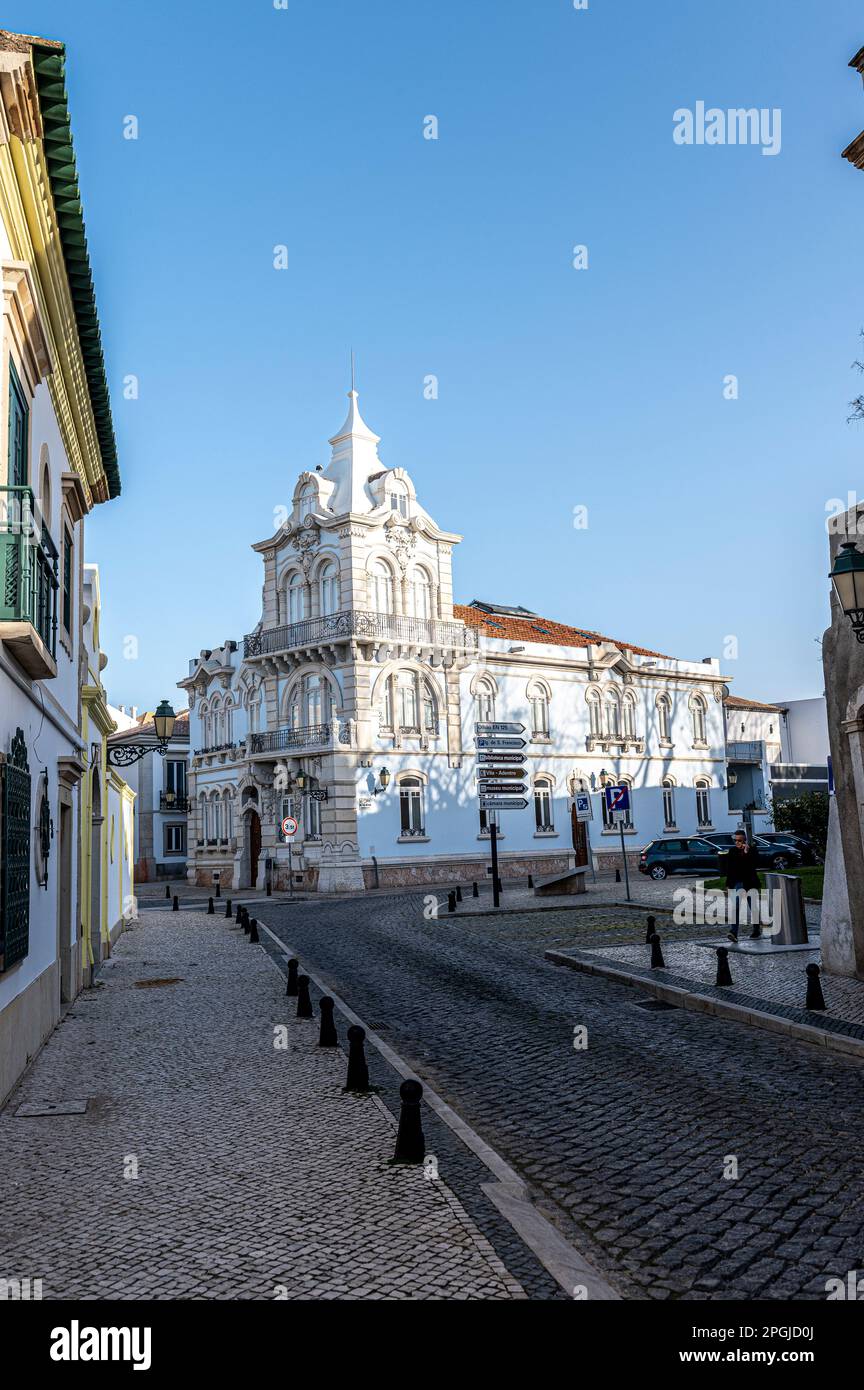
[256, 1177]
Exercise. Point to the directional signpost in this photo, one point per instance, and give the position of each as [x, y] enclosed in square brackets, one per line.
[289, 828]
[618, 806]
[500, 774]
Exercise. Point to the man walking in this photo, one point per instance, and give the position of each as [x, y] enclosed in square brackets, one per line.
[741, 876]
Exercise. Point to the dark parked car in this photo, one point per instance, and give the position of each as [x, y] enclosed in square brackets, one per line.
[807, 848]
[768, 855]
[693, 855]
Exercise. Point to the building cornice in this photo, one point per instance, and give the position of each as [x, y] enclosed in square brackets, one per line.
[42, 213]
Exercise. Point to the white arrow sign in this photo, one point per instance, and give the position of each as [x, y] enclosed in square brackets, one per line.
[499, 728]
[501, 757]
[500, 803]
[499, 741]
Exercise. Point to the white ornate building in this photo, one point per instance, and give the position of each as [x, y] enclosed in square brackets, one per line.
[362, 663]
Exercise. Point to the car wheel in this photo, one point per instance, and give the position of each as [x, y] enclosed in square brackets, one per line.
[780, 862]
[657, 871]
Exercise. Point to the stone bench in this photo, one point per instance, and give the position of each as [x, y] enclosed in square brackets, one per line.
[573, 881]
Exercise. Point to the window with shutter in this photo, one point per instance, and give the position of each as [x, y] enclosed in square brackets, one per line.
[15, 855]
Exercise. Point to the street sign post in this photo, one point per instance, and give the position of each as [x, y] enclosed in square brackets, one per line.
[500, 757]
[500, 741]
[505, 788]
[618, 806]
[499, 728]
[503, 803]
[582, 802]
[498, 744]
[289, 827]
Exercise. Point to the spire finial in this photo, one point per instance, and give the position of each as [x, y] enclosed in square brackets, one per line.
[352, 370]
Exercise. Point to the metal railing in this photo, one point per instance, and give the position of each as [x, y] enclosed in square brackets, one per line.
[310, 736]
[397, 627]
[28, 565]
[173, 801]
[747, 752]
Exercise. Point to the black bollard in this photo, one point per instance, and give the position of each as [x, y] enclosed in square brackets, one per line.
[210, 908]
[327, 1036]
[475, 891]
[451, 902]
[650, 928]
[656, 953]
[175, 905]
[458, 893]
[293, 967]
[244, 918]
[167, 890]
[530, 880]
[358, 1072]
[239, 915]
[218, 890]
[617, 875]
[253, 931]
[410, 1142]
[815, 998]
[304, 1001]
[500, 889]
[228, 908]
[269, 889]
[724, 974]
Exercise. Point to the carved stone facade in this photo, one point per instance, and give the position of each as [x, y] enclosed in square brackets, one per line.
[361, 663]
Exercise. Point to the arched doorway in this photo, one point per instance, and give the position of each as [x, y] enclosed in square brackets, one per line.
[580, 838]
[253, 846]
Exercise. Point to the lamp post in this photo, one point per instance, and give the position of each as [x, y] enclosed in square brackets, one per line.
[847, 576]
[125, 754]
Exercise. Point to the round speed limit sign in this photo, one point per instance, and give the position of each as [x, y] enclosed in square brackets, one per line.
[289, 827]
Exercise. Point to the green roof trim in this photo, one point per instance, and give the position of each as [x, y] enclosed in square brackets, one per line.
[49, 65]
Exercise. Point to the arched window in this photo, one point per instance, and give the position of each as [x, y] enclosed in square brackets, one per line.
[397, 498]
[698, 713]
[411, 806]
[612, 709]
[538, 700]
[216, 717]
[703, 802]
[668, 804]
[296, 598]
[206, 725]
[45, 499]
[406, 695]
[227, 815]
[543, 814]
[308, 500]
[228, 720]
[253, 710]
[484, 699]
[310, 703]
[595, 712]
[628, 710]
[329, 583]
[421, 594]
[203, 818]
[664, 718]
[382, 587]
[214, 831]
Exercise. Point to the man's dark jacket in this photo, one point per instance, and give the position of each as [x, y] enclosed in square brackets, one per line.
[739, 866]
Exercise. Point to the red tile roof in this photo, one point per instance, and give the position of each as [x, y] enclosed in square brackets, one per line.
[739, 702]
[144, 724]
[544, 630]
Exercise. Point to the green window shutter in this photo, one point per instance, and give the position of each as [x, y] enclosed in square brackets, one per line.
[15, 842]
[18, 430]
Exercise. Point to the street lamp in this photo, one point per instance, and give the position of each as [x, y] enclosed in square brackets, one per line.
[124, 754]
[383, 782]
[847, 576]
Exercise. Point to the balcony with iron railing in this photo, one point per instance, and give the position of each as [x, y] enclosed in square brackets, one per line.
[290, 740]
[173, 801]
[357, 625]
[28, 583]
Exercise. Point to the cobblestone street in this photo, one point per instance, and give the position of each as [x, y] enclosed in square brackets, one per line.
[210, 1163]
[629, 1139]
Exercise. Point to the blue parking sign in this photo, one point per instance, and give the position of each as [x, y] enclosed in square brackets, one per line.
[617, 798]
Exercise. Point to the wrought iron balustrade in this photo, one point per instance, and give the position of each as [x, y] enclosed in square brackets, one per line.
[173, 801]
[282, 740]
[28, 566]
[355, 623]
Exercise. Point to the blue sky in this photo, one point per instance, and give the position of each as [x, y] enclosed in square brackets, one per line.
[558, 388]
